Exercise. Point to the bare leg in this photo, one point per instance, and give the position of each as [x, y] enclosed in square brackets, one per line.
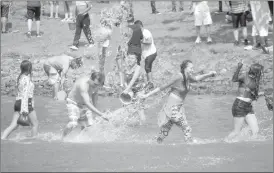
[4, 23]
[11, 127]
[236, 34]
[253, 124]
[29, 25]
[57, 11]
[198, 32]
[34, 121]
[38, 26]
[51, 9]
[238, 123]
[56, 89]
[244, 30]
[209, 40]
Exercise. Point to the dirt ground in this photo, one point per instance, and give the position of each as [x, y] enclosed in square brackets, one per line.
[174, 35]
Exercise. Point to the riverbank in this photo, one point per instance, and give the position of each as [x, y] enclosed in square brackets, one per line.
[174, 35]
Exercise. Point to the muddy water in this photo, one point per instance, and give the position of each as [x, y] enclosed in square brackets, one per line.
[131, 147]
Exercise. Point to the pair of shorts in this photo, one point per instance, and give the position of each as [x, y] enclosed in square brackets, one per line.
[33, 12]
[5, 11]
[148, 62]
[77, 115]
[262, 31]
[238, 18]
[241, 108]
[202, 18]
[17, 105]
[53, 78]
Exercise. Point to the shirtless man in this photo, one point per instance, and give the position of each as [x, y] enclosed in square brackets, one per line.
[82, 98]
[56, 69]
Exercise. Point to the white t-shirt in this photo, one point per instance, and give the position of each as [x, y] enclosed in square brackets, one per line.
[148, 49]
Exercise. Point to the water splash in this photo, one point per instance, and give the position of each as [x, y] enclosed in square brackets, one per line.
[117, 129]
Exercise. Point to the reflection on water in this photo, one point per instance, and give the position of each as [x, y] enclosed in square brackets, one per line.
[210, 118]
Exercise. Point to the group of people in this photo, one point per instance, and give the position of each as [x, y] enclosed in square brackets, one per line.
[82, 99]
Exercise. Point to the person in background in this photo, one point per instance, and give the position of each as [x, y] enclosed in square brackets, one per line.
[33, 11]
[261, 18]
[134, 54]
[24, 104]
[68, 11]
[173, 111]
[52, 4]
[153, 7]
[202, 17]
[56, 69]
[5, 7]
[181, 7]
[82, 23]
[238, 12]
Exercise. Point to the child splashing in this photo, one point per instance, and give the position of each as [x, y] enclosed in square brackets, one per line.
[173, 111]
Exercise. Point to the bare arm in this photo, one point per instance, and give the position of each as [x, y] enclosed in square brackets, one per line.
[158, 89]
[198, 78]
[236, 77]
[134, 78]
[90, 106]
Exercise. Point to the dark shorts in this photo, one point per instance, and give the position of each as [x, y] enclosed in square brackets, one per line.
[17, 105]
[148, 62]
[33, 12]
[5, 11]
[238, 18]
[241, 108]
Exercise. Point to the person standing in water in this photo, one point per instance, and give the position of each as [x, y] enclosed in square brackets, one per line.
[78, 102]
[242, 109]
[24, 104]
[173, 111]
[56, 69]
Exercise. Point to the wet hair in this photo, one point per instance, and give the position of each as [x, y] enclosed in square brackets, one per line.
[256, 70]
[26, 69]
[99, 76]
[183, 66]
[138, 22]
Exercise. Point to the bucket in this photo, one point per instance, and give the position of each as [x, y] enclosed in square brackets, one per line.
[72, 26]
[61, 95]
[24, 120]
[126, 98]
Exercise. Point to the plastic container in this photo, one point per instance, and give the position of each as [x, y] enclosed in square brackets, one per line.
[126, 98]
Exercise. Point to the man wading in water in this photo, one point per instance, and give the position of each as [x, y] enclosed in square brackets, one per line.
[78, 102]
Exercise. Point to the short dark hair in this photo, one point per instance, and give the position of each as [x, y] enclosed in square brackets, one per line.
[138, 22]
[99, 76]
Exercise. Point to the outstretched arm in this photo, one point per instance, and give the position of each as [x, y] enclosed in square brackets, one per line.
[134, 78]
[158, 89]
[236, 77]
[201, 77]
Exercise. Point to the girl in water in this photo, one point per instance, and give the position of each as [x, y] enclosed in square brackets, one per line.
[24, 114]
[242, 109]
[173, 111]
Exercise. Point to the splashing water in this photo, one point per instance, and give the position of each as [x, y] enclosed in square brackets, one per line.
[118, 128]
